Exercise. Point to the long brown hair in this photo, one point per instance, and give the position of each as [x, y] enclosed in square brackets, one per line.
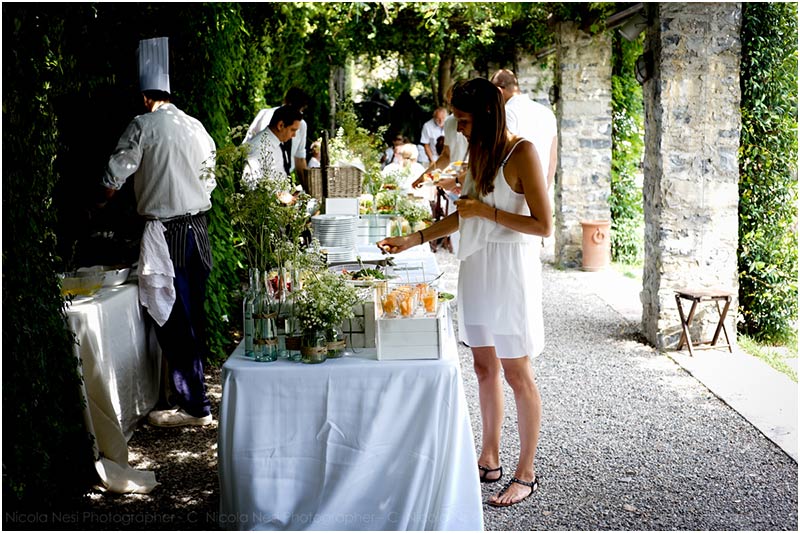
[487, 143]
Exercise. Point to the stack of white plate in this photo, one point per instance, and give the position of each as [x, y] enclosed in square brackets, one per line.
[336, 235]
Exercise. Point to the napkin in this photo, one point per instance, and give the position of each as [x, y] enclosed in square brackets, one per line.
[156, 273]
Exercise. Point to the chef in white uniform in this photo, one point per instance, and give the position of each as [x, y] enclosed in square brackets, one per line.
[171, 157]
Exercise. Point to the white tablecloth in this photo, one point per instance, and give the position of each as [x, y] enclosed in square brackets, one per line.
[121, 366]
[349, 444]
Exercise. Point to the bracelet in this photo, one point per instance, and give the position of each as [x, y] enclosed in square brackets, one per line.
[421, 238]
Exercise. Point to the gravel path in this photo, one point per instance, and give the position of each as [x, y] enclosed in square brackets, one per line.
[629, 441]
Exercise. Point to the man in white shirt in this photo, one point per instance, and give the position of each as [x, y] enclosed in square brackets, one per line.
[431, 131]
[530, 120]
[455, 149]
[172, 159]
[298, 98]
[268, 155]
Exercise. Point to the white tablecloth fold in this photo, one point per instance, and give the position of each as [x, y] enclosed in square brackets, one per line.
[121, 366]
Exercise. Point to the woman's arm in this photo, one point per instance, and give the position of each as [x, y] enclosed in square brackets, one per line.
[441, 164]
[523, 173]
[444, 227]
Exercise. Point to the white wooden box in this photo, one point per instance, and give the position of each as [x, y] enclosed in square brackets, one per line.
[359, 331]
[417, 337]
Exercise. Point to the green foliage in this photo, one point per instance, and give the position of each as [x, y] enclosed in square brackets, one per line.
[45, 442]
[268, 216]
[768, 172]
[211, 72]
[773, 356]
[590, 16]
[627, 237]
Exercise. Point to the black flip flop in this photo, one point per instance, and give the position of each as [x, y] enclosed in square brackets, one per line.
[532, 484]
[484, 470]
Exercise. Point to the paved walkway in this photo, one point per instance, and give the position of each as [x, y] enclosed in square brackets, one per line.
[634, 439]
[765, 397]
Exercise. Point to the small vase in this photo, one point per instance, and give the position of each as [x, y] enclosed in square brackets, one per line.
[336, 342]
[313, 347]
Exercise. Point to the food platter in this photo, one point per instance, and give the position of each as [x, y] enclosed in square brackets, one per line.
[361, 275]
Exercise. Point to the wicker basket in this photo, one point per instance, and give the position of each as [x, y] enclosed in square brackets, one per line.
[343, 182]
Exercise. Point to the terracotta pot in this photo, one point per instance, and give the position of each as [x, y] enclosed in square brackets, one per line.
[596, 244]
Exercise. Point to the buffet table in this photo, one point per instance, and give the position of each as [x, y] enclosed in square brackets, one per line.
[121, 364]
[349, 444]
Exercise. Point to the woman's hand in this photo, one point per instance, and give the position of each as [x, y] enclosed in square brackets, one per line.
[395, 245]
[447, 184]
[468, 208]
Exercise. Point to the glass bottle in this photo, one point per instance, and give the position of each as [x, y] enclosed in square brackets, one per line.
[282, 296]
[294, 330]
[266, 333]
[248, 304]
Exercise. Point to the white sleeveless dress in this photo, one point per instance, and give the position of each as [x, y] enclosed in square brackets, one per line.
[500, 283]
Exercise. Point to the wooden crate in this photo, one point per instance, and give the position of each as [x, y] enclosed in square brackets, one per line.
[417, 337]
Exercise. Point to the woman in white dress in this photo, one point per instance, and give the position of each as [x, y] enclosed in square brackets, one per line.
[504, 204]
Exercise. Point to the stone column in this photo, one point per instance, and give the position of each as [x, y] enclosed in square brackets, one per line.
[692, 123]
[583, 109]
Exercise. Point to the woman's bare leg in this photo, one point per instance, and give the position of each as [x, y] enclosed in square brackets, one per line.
[519, 374]
[490, 391]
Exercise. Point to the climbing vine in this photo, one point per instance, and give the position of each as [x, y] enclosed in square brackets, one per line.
[627, 108]
[768, 172]
[46, 448]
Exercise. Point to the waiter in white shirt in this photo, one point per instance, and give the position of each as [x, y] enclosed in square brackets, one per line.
[455, 149]
[530, 120]
[296, 146]
[431, 131]
[171, 157]
[268, 153]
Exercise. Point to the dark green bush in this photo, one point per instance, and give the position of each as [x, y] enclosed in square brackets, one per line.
[768, 172]
[46, 449]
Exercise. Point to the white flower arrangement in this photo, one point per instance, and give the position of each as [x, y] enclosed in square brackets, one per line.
[325, 301]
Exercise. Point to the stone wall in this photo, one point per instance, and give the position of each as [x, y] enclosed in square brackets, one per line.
[691, 169]
[536, 78]
[583, 178]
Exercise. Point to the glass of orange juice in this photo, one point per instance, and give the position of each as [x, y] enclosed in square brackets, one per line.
[389, 304]
[407, 303]
[430, 300]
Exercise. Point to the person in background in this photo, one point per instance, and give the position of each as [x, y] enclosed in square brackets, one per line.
[530, 120]
[315, 149]
[504, 204]
[389, 154]
[454, 149]
[432, 130]
[267, 149]
[405, 167]
[171, 157]
[296, 146]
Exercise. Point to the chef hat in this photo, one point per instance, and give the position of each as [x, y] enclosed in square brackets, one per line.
[154, 64]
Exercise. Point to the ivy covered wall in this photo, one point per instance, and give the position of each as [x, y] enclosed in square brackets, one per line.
[768, 172]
